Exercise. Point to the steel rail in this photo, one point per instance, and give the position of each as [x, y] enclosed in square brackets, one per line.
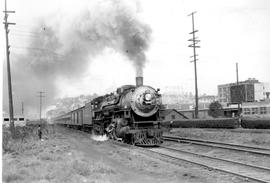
[219, 159]
[205, 164]
[229, 146]
[155, 150]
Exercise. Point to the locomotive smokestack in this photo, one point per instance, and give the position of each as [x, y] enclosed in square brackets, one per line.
[139, 81]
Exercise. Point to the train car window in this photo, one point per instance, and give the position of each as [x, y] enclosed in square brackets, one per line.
[77, 117]
[73, 118]
[262, 110]
[81, 116]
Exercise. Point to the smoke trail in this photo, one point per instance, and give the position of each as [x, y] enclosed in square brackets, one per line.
[108, 24]
[67, 43]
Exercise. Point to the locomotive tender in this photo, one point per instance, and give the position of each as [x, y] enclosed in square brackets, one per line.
[131, 114]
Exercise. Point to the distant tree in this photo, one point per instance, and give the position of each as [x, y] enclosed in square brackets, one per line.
[215, 109]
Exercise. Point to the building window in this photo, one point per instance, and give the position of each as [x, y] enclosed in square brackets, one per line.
[262, 110]
[246, 111]
[6, 119]
[173, 116]
[254, 110]
[21, 119]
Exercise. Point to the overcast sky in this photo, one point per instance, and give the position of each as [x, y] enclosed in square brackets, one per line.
[230, 31]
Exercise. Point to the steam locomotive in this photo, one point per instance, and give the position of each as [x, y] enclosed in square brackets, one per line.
[131, 114]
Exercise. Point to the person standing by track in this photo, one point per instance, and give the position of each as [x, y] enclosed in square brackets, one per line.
[39, 131]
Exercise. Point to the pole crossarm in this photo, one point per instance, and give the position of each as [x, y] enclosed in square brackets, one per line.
[194, 60]
[9, 23]
[193, 32]
[7, 11]
[193, 46]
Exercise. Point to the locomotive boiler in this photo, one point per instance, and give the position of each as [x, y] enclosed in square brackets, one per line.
[131, 114]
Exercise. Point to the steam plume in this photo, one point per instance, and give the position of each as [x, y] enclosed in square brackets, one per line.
[68, 42]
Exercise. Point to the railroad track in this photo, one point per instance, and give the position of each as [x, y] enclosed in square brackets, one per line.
[247, 171]
[251, 172]
[215, 144]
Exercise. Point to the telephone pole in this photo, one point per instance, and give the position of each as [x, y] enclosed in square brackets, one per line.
[11, 115]
[22, 109]
[237, 83]
[194, 45]
[40, 103]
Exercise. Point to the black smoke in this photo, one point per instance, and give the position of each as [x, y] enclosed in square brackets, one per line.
[67, 43]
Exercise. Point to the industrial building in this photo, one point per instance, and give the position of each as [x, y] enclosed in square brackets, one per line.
[250, 90]
[256, 109]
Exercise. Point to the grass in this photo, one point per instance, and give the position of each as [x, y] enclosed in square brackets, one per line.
[51, 160]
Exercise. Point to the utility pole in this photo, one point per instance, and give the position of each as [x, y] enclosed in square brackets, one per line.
[194, 41]
[237, 83]
[40, 103]
[22, 109]
[11, 115]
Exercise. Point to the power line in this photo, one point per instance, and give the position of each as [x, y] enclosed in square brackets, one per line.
[194, 45]
[40, 50]
[24, 25]
[26, 31]
[11, 115]
[25, 35]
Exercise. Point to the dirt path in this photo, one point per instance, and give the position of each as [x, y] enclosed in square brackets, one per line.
[101, 152]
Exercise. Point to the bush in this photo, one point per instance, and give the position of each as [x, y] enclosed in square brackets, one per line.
[6, 141]
[12, 177]
[23, 135]
[203, 123]
[215, 109]
[255, 123]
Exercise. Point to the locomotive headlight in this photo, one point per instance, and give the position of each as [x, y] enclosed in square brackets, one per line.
[148, 97]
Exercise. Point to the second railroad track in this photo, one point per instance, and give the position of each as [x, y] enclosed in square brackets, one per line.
[236, 147]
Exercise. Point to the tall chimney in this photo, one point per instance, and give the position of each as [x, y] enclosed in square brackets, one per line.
[139, 81]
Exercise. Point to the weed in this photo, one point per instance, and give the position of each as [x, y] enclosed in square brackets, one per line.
[81, 168]
[100, 167]
[11, 177]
